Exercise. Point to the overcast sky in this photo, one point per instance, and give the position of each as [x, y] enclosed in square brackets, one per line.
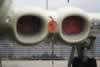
[87, 5]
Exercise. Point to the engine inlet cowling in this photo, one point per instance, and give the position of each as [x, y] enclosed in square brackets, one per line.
[30, 26]
[74, 25]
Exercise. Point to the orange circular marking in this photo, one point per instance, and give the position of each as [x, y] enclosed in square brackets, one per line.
[52, 26]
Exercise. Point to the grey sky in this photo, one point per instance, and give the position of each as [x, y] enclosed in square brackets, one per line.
[87, 5]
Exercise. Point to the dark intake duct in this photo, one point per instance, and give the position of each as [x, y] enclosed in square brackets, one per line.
[29, 25]
[73, 25]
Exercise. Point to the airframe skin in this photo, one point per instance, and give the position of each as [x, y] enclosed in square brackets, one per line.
[12, 16]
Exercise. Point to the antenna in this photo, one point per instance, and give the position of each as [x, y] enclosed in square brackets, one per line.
[68, 1]
[46, 4]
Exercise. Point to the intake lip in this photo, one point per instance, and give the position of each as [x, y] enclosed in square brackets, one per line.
[73, 33]
[30, 26]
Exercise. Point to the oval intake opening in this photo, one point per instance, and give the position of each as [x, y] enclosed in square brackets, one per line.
[73, 25]
[29, 25]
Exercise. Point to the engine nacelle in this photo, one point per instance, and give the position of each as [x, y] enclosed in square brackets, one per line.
[30, 25]
[5, 7]
[74, 25]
